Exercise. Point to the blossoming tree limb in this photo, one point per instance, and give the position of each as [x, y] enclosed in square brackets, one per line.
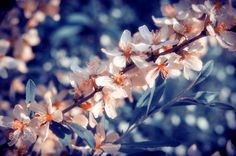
[142, 63]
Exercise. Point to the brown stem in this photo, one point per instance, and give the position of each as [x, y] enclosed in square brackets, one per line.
[131, 66]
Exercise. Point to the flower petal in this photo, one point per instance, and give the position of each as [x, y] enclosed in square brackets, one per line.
[119, 61]
[57, 116]
[111, 148]
[142, 47]
[112, 137]
[6, 121]
[145, 33]
[139, 62]
[20, 114]
[37, 108]
[125, 39]
[104, 81]
[110, 110]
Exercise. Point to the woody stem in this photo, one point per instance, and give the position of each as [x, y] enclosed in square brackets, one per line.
[131, 66]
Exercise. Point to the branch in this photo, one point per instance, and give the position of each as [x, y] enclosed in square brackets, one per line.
[132, 65]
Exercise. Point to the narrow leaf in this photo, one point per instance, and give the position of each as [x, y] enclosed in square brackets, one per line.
[30, 91]
[206, 71]
[142, 101]
[84, 134]
[205, 96]
[148, 145]
[156, 93]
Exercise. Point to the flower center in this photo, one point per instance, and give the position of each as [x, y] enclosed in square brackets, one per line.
[119, 79]
[86, 106]
[127, 52]
[220, 27]
[162, 68]
[17, 124]
[48, 117]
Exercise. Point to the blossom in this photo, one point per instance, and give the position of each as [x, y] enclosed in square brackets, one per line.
[117, 82]
[105, 143]
[190, 60]
[83, 80]
[23, 133]
[154, 40]
[221, 32]
[126, 53]
[164, 65]
[44, 115]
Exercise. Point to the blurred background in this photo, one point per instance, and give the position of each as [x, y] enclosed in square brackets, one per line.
[74, 31]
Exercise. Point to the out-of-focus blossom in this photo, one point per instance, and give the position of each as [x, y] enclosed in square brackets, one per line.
[126, 53]
[23, 134]
[45, 114]
[105, 143]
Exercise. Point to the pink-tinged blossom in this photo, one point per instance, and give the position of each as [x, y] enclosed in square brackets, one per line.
[164, 66]
[23, 134]
[153, 41]
[126, 53]
[105, 143]
[117, 82]
[190, 60]
[44, 115]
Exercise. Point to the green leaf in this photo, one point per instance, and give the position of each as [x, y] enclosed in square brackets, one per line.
[63, 133]
[156, 93]
[30, 91]
[142, 101]
[84, 134]
[205, 96]
[205, 72]
[148, 145]
[224, 106]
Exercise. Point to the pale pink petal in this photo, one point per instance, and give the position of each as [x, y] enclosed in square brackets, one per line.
[92, 121]
[44, 130]
[112, 137]
[142, 47]
[151, 77]
[104, 81]
[97, 109]
[15, 137]
[162, 21]
[6, 121]
[81, 120]
[194, 63]
[139, 62]
[100, 131]
[164, 33]
[111, 148]
[20, 114]
[145, 33]
[38, 108]
[111, 52]
[119, 61]
[210, 30]
[29, 135]
[48, 103]
[119, 93]
[57, 116]
[110, 110]
[186, 73]
[125, 39]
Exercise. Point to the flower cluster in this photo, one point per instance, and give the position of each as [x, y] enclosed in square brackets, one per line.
[175, 47]
[22, 40]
